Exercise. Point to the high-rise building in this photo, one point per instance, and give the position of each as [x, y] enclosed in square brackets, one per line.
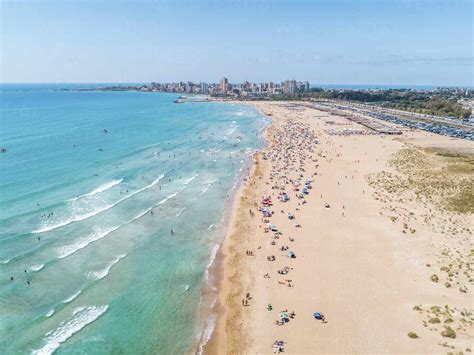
[289, 87]
[189, 86]
[224, 82]
[306, 86]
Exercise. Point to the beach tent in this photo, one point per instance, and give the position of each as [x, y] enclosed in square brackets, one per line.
[284, 317]
[266, 212]
[317, 316]
[284, 197]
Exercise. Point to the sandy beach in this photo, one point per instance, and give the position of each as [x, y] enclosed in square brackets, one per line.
[373, 232]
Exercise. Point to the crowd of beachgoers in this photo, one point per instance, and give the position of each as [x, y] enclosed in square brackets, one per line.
[289, 179]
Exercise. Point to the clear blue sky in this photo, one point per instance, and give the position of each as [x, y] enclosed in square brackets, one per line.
[326, 42]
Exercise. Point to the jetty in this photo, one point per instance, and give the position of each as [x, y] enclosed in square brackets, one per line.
[184, 101]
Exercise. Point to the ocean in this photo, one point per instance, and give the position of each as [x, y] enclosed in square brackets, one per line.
[110, 209]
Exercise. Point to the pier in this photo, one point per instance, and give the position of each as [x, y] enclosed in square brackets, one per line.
[184, 101]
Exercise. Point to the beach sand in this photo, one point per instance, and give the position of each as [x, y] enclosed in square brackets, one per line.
[391, 255]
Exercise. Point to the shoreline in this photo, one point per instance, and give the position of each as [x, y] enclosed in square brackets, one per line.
[209, 313]
[210, 346]
[237, 327]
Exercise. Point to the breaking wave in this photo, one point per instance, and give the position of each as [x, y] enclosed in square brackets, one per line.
[36, 267]
[82, 243]
[68, 250]
[85, 216]
[99, 275]
[72, 298]
[191, 179]
[81, 318]
[101, 188]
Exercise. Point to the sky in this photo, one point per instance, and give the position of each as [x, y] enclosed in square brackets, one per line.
[390, 42]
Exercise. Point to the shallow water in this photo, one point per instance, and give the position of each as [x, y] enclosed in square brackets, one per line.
[86, 215]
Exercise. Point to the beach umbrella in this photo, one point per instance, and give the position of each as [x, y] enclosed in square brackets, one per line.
[284, 316]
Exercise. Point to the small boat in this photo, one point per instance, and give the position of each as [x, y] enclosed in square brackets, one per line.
[3, 150]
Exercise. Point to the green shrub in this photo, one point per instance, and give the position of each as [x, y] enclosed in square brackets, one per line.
[448, 332]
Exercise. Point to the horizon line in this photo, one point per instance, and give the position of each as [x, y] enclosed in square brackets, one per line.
[313, 84]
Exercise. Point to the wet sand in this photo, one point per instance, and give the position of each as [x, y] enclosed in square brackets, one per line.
[365, 256]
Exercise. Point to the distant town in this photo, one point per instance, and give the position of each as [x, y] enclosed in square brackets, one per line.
[224, 88]
[445, 102]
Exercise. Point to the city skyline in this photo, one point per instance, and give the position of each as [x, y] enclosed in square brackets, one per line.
[338, 42]
[223, 87]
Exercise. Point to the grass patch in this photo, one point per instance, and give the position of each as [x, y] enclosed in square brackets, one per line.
[463, 201]
[448, 332]
[442, 179]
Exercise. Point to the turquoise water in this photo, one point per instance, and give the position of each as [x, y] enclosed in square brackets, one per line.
[91, 186]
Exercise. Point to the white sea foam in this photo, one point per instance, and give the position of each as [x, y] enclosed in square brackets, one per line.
[82, 243]
[180, 211]
[214, 251]
[139, 215]
[73, 297]
[101, 188]
[203, 191]
[5, 261]
[36, 267]
[207, 332]
[68, 250]
[81, 317]
[50, 313]
[191, 179]
[99, 275]
[82, 217]
[169, 197]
